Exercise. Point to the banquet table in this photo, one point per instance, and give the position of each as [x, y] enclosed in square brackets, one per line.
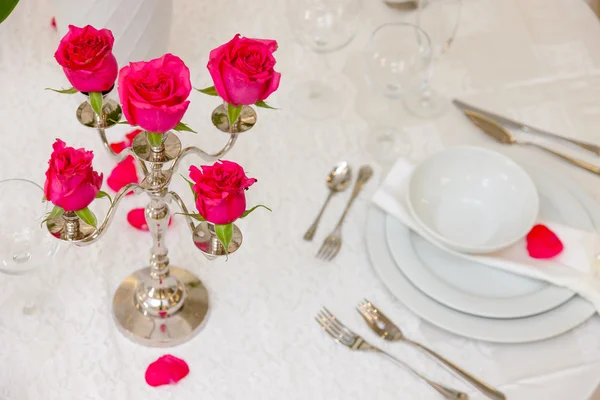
[534, 60]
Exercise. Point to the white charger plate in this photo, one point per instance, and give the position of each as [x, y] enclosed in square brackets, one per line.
[478, 289]
[521, 330]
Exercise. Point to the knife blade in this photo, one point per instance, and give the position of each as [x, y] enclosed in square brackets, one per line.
[510, 123]
[596, 394]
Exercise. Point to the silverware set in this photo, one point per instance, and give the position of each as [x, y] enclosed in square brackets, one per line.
[387, 330]
[338, 180]
[495, 125]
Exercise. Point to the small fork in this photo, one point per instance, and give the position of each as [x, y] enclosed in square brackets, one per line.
[386, 329]
[341, 334]
[333, 243]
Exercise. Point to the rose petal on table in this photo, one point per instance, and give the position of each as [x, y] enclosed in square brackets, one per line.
[53, 23]
[124, 173]
[166, 370]
[131, 135]
[118, 147]
[137, 219]
[542, 243]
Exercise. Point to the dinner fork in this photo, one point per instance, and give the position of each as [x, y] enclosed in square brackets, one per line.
[341, 334]
[387, 330]
[333, 243]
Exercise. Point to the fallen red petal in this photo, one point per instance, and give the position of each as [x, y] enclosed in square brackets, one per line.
[53, 23]
[137, 219]
[166, 370]
[131, 135]
[118, 147]
[124, 173]
[542, 243]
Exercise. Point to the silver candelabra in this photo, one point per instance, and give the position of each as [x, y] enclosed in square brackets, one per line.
[161, 304]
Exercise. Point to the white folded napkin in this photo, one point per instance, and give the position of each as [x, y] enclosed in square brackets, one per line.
[574, 268]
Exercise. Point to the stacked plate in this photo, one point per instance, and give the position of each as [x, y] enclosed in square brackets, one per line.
[475, 300]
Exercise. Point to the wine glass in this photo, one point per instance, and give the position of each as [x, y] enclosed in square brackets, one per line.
[440, 19]
[322, 26]
[397, 61]
[26, 247]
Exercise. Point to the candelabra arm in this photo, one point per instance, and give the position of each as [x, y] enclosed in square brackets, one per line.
[184, 209]
[204, 155]
[109, 215]
[116, 156]
[119, 156]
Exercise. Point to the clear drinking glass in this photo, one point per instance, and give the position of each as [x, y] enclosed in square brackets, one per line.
[322, 26]
[440, 19]
[26, 247]
[397, 62]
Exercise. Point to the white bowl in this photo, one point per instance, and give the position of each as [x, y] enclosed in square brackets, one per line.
[472, 200]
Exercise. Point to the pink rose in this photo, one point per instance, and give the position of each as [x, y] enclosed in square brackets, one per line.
[220, 191]
[153, 94]
[87, 59]
[242, 70]
[71, 183]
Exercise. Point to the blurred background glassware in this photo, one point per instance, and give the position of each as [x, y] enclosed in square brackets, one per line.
[396, 63]
[26, 247]
[322, 26]
[440, 20]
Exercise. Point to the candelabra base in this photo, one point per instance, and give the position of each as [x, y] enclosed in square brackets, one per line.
[164, 331]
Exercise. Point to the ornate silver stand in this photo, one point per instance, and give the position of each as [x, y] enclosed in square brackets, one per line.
[159, 305]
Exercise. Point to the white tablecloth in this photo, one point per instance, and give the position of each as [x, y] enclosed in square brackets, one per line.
[538, 60]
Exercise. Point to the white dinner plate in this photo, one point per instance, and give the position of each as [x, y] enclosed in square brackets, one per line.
[478, 289]
[538, 327]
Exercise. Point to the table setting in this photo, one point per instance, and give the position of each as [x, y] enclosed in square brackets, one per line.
[300, 199]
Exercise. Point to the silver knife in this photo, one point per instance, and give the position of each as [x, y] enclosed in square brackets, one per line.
[509, 123]
[596, 394]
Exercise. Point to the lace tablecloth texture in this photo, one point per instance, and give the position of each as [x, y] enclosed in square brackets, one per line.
[538, 60]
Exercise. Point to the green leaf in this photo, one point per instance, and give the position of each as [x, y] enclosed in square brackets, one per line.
[102, 194]
[195, 216]
[87, 216]
[224, 233]
[96, 102]
[191, 186]
[181, 127]
[44, 199]
[211, 91]
[233, 113]
[245, 214]
[262, 104]
[64, 91]
[55, 212]
[6, 7]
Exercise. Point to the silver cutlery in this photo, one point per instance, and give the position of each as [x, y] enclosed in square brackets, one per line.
[338, 180]
[403, 5]
[341, 334]
[496, 131]
[509, 123]
[333, 243]
[387, 330]
[596, 394]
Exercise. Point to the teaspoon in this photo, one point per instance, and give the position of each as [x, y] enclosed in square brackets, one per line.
[338, 180]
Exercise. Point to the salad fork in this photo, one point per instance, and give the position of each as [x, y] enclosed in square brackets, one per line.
[333, 243]
[387, 330]
[341, 334]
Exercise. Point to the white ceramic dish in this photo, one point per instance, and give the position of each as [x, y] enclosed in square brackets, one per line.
[521, 330]
[477, 289]
[472, 199]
